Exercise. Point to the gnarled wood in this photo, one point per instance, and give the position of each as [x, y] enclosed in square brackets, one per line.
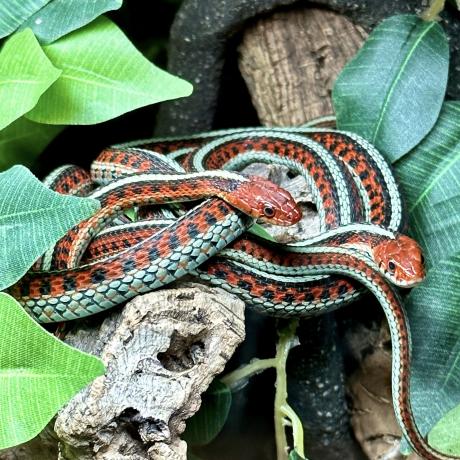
[161, 353]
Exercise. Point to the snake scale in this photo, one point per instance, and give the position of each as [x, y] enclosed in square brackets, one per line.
[109, 259]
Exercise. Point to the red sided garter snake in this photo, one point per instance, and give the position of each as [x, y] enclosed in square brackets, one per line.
[351, 183]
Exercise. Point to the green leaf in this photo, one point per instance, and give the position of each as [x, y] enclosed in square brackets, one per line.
[103, 76]
[445, 436]
[23, 140]
[25, 74]
[14, 12]
[392, 91]
[429, 177]
[38, 374]
[206, 424]
[59, 17]
[258, 230]
[32, 219]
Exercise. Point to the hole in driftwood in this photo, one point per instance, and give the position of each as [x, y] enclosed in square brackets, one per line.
[183, 352]
[134, 423]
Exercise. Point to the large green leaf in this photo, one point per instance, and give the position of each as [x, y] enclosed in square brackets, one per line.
[38, 374]
[58, 18]
[103, 76]
[445, 436]
[25, 74]
[23, 140]
[14, 12]
[429, 176]
[206, 424]
[392, 91]
[32, 218]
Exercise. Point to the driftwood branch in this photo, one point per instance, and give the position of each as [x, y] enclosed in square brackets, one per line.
[162, 351]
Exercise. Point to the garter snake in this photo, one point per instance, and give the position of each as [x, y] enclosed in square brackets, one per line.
[351, 183]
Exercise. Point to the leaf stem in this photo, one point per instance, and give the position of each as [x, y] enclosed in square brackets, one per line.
[432, 12]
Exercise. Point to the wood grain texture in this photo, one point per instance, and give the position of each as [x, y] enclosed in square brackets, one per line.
[290, 61]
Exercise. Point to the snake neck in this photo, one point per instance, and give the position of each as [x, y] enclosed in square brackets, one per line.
[355, 265]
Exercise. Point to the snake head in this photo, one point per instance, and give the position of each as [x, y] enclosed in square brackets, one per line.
[400, 260]
[267, 202]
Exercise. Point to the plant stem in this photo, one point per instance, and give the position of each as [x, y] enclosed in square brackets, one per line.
[297, 429]
[284, 414]
[232, 379]
[432, 12]
[287, 339]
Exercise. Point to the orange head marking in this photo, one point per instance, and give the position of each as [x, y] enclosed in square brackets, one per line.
[266, 202]
[400, 260]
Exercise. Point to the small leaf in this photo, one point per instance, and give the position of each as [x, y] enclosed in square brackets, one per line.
[206, 424]
[23, 140]
[392, 91]
[38, 374]
[445, 436]
[103, 76]
[32, 219]
[25, 74]
[58, 18]
[258, 230]
[14, 12]
[293, 455]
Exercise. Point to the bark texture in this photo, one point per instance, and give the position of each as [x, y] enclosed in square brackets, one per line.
[291, 60]
[373, 420]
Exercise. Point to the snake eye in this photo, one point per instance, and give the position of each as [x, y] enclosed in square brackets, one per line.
[391, 266]
[268, 211]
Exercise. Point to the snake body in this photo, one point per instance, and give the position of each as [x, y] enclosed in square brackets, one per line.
[351, 182]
